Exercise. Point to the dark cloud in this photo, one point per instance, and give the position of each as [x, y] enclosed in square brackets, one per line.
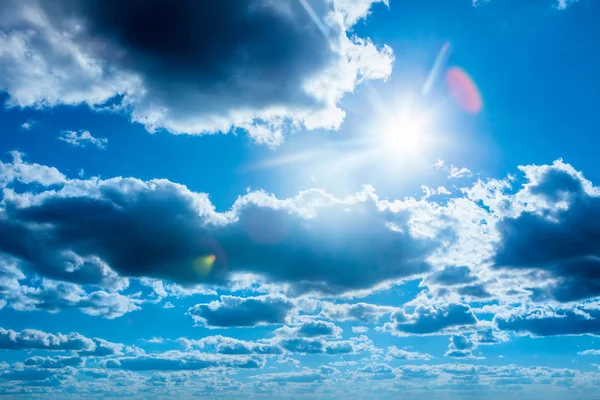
[433, 319]
[226, 54]
[238, 311]
[562, 241]
[193, 66]
[461, 342]
[478, 290]
[549, 322]
[162, 230]
[452, 275]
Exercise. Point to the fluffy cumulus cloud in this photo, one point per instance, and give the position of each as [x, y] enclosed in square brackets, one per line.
[400, 354]
[233, 311]
[262, 66]
[96, 232]
[555, 231]
[30, 339]
[431, 319]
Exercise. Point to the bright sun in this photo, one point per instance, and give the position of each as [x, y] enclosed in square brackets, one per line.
[404, 133]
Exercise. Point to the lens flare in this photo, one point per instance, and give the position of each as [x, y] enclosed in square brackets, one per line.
[463, 90]
[204, 265]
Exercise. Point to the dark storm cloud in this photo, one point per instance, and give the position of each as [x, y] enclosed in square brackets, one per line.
[565, 243]
[89, 230]
[234, 311]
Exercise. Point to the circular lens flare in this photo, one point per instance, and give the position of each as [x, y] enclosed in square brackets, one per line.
[463, 90]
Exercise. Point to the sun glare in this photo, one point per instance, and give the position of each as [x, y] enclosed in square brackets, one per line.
[404, 133]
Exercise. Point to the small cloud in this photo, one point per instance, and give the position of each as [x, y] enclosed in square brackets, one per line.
[28, 125]
[82, 139]
[453, 172]
[457, 173]
[168, 305]
[360, 329]
[564, 4]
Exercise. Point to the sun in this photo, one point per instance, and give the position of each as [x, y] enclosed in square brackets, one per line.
[404, 132]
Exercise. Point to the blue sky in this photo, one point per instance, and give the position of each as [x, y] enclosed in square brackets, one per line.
[302, 199]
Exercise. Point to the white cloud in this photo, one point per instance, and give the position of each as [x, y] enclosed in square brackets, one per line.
[82, 139]
[399, 354]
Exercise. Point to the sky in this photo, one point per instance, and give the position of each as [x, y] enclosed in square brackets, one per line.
[299, 199]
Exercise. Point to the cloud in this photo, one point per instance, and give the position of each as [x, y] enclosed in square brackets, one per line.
[360, 329]
[82, 139]
[28, 125]
[431, 319]
[104, 230]
[457, 173]
[26, 173]
[228, 345]
[452, 275]
[30, 339]
[554, 229]
[377, 371]
[233, 311]
[545, 320]
[311, 328]
[398, 354]
[255, 65]
[589, 353]
[181, 361]
[55, 296]
[54, 362]
[52, 376]
[363, 312]
[461, 347]
[306, 376]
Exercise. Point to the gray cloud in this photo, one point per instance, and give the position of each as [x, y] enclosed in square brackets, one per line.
[233, 311]
[191, 67]
[432, 319]
[560, 235]
[94, 229]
